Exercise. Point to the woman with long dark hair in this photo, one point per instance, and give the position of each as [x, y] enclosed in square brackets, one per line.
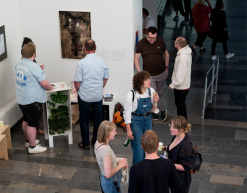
[218, 31]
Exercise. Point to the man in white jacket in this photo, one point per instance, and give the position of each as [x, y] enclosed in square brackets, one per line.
[181, 76]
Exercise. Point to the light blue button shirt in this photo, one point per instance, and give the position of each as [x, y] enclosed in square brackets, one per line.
[28, 75]
[90, 72]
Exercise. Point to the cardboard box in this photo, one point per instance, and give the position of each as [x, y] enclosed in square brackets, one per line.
[75, 113]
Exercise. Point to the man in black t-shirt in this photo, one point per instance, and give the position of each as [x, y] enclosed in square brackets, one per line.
[155, 61]
[153, 174]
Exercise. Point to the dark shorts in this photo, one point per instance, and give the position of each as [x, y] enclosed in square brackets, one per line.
[32, 113]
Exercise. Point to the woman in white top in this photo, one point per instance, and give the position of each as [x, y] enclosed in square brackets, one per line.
[139, 104]
[110, 169]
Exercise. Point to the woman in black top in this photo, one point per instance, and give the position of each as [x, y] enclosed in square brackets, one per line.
[180, 152]
[218, 31]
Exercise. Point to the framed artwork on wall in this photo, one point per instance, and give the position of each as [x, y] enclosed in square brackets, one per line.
[3, 47]
[75, 28]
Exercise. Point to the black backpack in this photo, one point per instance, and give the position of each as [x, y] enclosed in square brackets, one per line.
[198, 160]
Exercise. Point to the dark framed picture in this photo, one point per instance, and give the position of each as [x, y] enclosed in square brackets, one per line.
[75, 28]
[3, 47]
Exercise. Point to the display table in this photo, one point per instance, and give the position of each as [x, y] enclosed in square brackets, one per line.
[60, 86]
[110, 104]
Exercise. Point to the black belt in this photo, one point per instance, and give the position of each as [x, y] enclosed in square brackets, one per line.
[145, 114]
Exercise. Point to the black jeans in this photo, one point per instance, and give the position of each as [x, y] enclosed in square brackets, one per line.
[224, 44]
[180, 97]
[201, 38]
[84, 109]
[187, 8]
[178, 6]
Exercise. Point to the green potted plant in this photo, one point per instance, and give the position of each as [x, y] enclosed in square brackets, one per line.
[59, 113]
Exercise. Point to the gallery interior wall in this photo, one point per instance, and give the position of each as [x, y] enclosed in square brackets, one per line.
[13, 37]
[113, 27]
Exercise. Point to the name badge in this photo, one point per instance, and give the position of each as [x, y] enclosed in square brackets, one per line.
[144, 105]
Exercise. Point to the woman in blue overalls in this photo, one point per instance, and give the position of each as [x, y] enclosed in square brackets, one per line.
[140, 103]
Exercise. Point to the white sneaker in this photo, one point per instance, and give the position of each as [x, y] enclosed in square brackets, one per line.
[27, 143]
[229, 55]
[37, 149]
[185, 22]
[213, 57]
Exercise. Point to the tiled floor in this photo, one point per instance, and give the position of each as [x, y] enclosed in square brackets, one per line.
[222, 136]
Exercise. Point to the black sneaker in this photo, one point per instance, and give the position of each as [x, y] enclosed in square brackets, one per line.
[176, 18]
[193, 50]
[154, 116]
[163, 115]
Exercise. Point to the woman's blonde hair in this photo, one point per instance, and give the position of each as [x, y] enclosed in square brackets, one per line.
[105, 128]
[181, 124]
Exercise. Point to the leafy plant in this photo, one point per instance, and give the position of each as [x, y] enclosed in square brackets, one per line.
[59, 119]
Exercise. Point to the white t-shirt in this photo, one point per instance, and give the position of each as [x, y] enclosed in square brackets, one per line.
[148, 22]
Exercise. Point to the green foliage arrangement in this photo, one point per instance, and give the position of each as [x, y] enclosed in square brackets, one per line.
[59, 119]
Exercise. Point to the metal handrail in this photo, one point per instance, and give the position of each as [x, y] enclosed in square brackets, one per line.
[213, 85]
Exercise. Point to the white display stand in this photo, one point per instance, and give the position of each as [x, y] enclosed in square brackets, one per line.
[46, 114]
[111, 104]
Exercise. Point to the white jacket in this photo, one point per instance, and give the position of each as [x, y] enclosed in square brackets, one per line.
[181, 76]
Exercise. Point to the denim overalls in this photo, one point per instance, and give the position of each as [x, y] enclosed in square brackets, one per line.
[140, 124]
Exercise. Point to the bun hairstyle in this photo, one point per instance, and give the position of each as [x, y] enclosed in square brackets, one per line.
[188, 128]
[181, 124]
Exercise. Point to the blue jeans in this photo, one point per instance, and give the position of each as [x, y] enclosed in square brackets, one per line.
[139, 125]
[111, 185]
[84, 108]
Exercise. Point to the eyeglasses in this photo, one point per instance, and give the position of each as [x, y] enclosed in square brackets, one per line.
[152, 38]
[170, 125]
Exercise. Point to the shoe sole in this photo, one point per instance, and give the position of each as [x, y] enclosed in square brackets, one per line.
[155, 119]
[164, 119]
[37, 151]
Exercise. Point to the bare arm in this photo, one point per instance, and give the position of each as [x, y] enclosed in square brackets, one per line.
[46, 85]
[77, 85]
[179, 167]
[108, 171]
[136, 61]
[209, 4]
[166, 56]
[104, 82]
[129, 132]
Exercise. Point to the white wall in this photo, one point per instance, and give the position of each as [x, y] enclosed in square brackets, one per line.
[9, 18]
[113, 26]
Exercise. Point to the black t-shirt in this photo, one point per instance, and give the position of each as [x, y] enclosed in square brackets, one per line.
[149, 176]
[153, 55]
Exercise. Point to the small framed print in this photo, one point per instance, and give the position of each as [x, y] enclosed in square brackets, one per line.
[3, 47]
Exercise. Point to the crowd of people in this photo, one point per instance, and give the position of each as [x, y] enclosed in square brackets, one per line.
[149, 172]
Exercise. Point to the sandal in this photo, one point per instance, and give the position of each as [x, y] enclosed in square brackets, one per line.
[83, 146]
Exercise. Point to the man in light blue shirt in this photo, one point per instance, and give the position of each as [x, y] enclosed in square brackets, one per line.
[90, 78]
[31, 84]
